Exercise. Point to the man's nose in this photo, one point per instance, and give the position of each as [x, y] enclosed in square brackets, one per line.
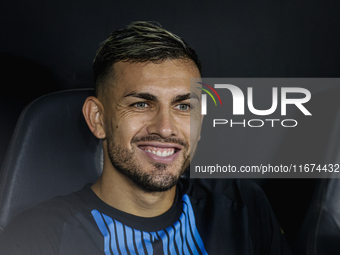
[163, 124]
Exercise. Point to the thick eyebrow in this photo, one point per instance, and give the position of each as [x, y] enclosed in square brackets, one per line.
[148, 96]
[185, 97]
[142, 95]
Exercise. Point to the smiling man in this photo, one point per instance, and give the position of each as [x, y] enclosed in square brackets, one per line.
[149, 121]
[144, 121]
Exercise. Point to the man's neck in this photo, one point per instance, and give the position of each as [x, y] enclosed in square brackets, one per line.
[118, 191]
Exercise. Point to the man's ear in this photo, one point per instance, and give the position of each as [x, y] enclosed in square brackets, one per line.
[93, 112]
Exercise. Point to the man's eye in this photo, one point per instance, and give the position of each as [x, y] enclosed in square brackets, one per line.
[141, 105]
[183, 107]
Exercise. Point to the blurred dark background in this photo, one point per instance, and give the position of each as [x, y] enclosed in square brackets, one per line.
[48, 46]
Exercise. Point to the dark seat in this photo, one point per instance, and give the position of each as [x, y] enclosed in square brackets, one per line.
[320, 231]
[52, 152]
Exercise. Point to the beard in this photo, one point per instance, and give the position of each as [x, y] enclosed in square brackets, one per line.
[154, 179]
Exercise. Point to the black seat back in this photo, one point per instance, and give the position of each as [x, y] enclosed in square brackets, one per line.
[320, 231]
[52, 152]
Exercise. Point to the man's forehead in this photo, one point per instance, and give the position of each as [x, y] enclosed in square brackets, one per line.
[167, 69]
[172, 76]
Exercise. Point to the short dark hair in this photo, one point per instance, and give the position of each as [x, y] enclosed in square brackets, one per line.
[139, 42]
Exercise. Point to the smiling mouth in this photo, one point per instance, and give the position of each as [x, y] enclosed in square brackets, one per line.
[161, 152]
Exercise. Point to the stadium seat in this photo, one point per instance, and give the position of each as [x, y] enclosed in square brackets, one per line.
[320, 231]
[52, 152]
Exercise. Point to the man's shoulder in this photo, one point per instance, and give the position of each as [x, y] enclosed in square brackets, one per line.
[241, 191]
[44, 220]
[56, 209]
[241, 201]
[241, 196]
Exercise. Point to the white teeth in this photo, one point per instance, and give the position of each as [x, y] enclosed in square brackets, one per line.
[162, 154]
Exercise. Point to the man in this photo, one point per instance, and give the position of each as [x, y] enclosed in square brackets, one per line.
[143, 111]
